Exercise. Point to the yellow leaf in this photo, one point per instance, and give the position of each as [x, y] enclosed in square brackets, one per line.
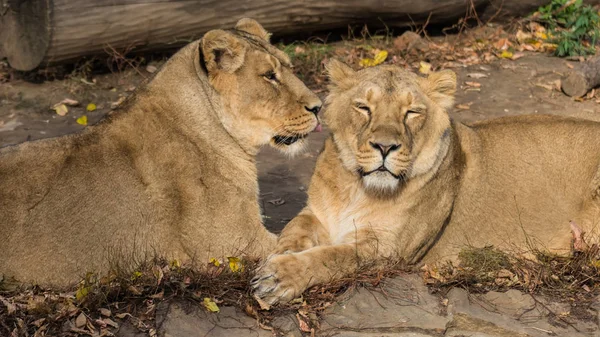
[380, 57]
[541, 35]
[175, 264]
[136, 275]
[235, 264]
[506, 54]
[61, 109]
[424, 67]
[211, 305]
[82, 120]
[82, 292]
[91, 107]
[214, 261]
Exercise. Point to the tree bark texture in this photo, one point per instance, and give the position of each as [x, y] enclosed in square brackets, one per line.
[583, 78]
[36, 33]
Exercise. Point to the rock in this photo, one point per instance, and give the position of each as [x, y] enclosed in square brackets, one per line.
[405, 304]
[287, 325]
[184, 319]
[410, 41]
[508, 314]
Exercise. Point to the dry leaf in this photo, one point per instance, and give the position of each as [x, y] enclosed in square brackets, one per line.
[61, 109]
[473, 84]
[110, 322]
[557, 85]
[303, 325]
[122, 315]
[517, 56]
[569, 65]
[134, 290]
[210, 305]
[463, 106]
[263, 305]
[424, 67]
[477, 75]
[506, 55]
[151, 69]
[11, 308]
[214, 261]
[545, 86]
[105, 312]
[81, 320]
[378, 59]
[81, 293]
[69, 102]
[235, 264]
[39, 322]
[158, 273]
[502, 44]
[82, 120]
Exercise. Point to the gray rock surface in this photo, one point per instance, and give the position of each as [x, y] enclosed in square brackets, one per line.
[401, 307]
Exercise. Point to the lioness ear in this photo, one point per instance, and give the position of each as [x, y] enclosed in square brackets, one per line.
[251, 26]
[340, 75]
[441, 87]
[222, 51]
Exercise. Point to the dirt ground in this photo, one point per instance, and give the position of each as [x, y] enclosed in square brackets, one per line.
[503, 87]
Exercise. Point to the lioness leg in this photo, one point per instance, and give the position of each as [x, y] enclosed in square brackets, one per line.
[303, 232]
[589, 220]
[284, 277]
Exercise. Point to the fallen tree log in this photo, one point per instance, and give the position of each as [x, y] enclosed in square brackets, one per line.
[582, 79]
[36, 33]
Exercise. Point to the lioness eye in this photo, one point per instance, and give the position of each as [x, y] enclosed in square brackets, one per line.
[364, 108]
[412, 113]
[271, 76]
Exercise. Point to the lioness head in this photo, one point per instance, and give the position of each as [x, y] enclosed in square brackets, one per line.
[389, 125]
[264, 101]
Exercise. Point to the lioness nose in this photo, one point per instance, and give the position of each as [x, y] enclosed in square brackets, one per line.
[385, 148]
[314, 109]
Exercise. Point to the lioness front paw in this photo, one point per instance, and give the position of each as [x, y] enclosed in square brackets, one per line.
[280, 279]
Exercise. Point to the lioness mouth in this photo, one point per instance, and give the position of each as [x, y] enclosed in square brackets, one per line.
[287, 140]
[379, 169]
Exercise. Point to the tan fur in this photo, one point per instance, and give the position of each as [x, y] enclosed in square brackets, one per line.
[513, 183]
[173, 173]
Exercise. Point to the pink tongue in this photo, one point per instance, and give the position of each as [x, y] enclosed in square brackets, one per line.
[318, 128]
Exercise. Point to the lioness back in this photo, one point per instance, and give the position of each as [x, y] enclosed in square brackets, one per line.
[526, 177]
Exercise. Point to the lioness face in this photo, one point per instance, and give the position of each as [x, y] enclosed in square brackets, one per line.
[265, 103]
[389, 124]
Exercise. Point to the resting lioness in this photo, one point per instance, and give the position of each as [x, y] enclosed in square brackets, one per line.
[172, 174]
[399, 179]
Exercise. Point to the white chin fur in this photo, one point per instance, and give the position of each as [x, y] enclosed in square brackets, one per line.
[380, 182]
[294, 149]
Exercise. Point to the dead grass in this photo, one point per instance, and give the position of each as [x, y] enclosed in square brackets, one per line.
[485, 269]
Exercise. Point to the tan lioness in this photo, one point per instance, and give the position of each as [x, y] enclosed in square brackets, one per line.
[399, 179]
[173, 173]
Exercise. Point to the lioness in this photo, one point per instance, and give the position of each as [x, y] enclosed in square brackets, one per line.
[399, 179]
[172, 174]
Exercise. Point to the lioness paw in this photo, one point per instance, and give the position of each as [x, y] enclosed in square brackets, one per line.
[280, 279]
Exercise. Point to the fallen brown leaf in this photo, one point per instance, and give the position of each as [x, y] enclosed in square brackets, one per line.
[477, 75]
[81, 320]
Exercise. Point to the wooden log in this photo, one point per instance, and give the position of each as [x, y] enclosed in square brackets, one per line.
[582, 79]
[37, 33]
